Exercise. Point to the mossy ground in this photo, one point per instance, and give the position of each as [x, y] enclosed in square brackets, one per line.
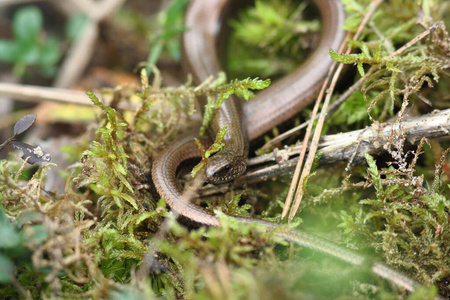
[106, 235]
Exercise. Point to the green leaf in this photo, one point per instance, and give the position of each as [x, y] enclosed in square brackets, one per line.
[76, 25]
[48, 71]
[374, 174]
[197, 168]
[202, 163]
[174, 48]
[360, 68]
[117, 194]
[30, 55]
[7, 269]
[335, 56]
[208, 114]
[124, 181]
[175, 12]
[95, 100]
[119, 168]
[154, 54]
[38, 234]
[217, 145]
[9, 51]
[238, 87]
[29, 217]
[49, 54]
[214, 148]
[27, 25]
[171, 20]
[145, 216]
[9, 237]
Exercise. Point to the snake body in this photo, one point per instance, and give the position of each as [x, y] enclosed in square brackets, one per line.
[274, 105]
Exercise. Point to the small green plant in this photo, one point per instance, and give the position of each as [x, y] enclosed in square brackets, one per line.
[168, 37]
[29, 46]
[216, 147]
[240, 88]
[270, 38]
[15, 256]
[405, 218]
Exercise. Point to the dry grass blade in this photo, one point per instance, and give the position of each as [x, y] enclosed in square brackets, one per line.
[297, 184]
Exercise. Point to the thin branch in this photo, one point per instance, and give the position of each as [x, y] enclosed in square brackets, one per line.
[350, 146]
[298, 184]
[37, 94]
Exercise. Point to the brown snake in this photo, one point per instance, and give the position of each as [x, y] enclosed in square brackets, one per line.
[288, 95]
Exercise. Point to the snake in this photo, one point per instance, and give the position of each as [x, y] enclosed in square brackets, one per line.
[205, 23]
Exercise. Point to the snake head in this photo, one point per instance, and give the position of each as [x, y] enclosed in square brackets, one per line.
[225, 167]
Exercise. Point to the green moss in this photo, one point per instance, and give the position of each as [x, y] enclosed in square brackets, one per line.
[405, 220]
[271, 38]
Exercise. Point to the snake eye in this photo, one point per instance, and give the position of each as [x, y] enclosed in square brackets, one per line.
[220, 169]
[227, 169]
